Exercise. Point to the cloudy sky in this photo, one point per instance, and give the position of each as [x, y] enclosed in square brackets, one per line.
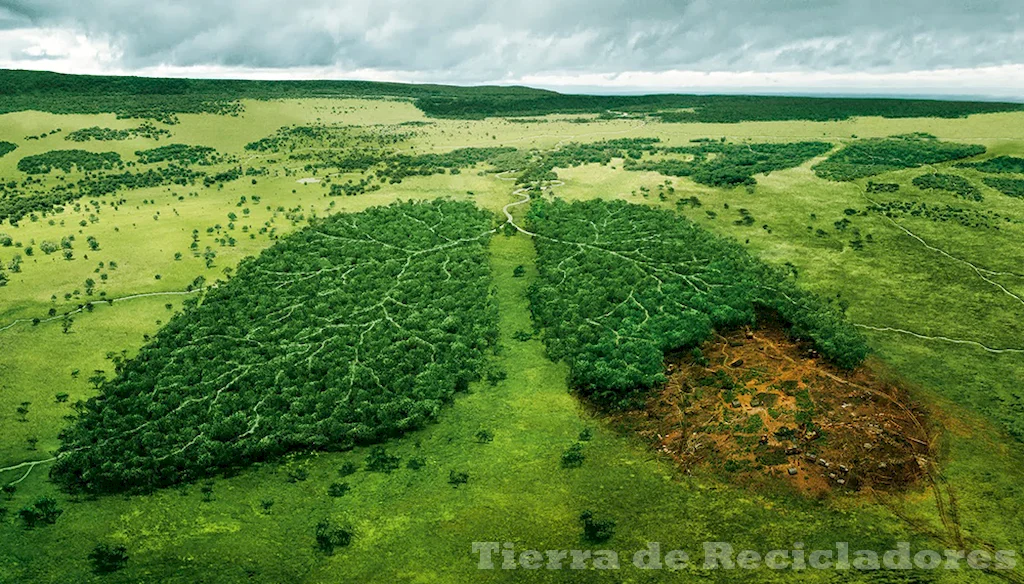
[959, 47]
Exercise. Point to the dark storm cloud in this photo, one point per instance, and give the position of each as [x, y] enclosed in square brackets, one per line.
[473, 40]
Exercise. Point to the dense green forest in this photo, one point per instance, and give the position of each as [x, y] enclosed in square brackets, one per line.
[1011, 187]
[145, 130]
[180, 153]
[161, 99]
[6, 148]
[872, 156]
[719, 164]
[710, 162]
[974, 218]
[950, 183]
[697, 108]
[999, 164]
[68, 160]
[619, 285]
[355, 329]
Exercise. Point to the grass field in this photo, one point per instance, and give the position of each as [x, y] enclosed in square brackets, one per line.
[940, 303]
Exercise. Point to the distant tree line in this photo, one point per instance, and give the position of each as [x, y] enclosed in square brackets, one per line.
[163, 99]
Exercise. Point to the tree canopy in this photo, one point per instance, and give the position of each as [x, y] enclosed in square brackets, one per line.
[355, 329]
[621, 284]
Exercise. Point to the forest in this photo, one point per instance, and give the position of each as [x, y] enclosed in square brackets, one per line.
[67, 160]
[997, 165]
[180, 153]
[162, 99]
[1011, 187]
[951, 183]
[357, 328]
[720, 164]
[694, 108]
[980, 219]
[6, 148]
[144, 130]
[872, 156]
[620, 285]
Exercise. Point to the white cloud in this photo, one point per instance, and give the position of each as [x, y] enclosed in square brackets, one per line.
[919, 46]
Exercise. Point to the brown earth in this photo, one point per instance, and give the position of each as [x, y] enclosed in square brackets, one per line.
[754, 403]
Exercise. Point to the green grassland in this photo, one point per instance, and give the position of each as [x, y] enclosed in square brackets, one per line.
[939, 301]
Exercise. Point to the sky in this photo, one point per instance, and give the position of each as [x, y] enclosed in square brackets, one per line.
[897, 47]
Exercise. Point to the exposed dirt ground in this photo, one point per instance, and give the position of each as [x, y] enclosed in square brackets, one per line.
[753, 402]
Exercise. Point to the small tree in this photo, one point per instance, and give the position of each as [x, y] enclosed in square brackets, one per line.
[595, 530]
[43, 512]
[106, 558]
[329, 537]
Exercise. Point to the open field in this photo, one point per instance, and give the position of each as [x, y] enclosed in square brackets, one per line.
[939, 295]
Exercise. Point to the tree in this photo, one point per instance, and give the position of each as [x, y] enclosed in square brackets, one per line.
[328, 536]
[596, 530]
[43, 511]
[106, 558]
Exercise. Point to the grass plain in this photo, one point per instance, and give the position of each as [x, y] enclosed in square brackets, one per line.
[943, 303]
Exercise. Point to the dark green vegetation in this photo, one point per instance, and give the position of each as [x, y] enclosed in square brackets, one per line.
[1011, 187]
[874, 187]
[345, 150]
[942, 212]
[951, 183]
[67, 160]
[710, 162]
[693, 108]
[145, 130]
[161, 99]
[355, 329]
[6, 148]
[999, 164]
[620, 285]
[106, 558]
[105, 174]
[180, 153]
[401, 166]
[720, 164]
[873, 156]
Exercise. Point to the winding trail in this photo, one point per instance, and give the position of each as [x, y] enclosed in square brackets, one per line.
[16, 322]
[31, 465]
[888, 329]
